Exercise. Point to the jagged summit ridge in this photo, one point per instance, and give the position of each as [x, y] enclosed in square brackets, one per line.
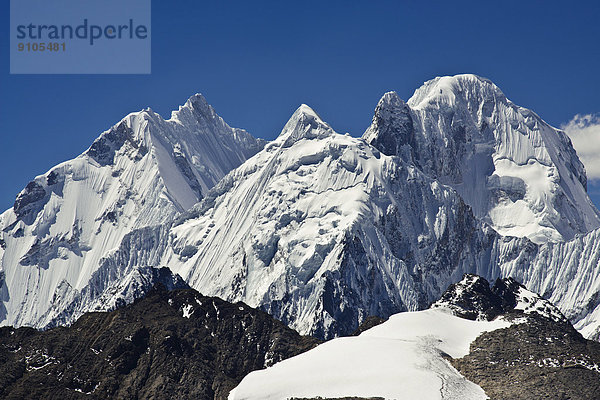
[320, 229]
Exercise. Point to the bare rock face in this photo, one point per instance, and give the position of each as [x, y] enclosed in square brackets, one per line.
[473, 298]
[176, 344]
[540, 359]
[540, 356]
[27, 201]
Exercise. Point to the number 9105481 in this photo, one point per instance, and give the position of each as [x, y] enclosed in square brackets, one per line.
[51, 46]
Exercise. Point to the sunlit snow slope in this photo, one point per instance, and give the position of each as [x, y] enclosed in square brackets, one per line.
[408, 356]
[141, 172]
[403, 358]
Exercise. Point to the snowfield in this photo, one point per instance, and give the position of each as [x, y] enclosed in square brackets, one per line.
[403, 358]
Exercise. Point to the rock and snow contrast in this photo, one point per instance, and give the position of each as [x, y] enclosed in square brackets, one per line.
[143, 171]
[472, 298]
[319, 229]
[430, 354]
[402, 358]
[168, 345]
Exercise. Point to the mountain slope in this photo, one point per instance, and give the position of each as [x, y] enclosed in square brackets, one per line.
[517, 173]
[143, 171]
[321, 230]
[176, 344]
[514, 336]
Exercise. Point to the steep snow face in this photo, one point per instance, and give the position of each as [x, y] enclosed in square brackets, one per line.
[403, 358]
[322, 230]
[141, 172]
[517, 173]
[319, 229]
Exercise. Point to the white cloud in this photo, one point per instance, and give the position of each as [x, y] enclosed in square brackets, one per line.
[584, 131]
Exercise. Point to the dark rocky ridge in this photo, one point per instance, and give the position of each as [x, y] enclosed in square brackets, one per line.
[176, 344]
[473, 298]
[368, 323]
[539, 359]
[541, 356]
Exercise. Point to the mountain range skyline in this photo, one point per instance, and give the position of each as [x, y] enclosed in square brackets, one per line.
[257, 64]
[299, 200]
[454, 164]
[586, 127]
[328, 233]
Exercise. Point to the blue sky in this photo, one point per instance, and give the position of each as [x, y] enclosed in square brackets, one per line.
[255, 62]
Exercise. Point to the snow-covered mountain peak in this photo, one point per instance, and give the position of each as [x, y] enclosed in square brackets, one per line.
[196, 110]
[517, 173]
[451, 90]
[196, 102]
[318, 228]
[143, 171]
[390, 99]
[305, 123]
[127, 136]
